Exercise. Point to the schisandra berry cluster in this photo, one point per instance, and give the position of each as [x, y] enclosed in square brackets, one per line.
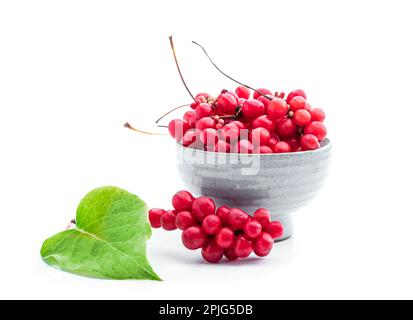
[235, 123]
[225, 231]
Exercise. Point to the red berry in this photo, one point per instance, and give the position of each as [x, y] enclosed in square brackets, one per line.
[201, 95]
[227, 103]
[261, 92]
[155, 217]
[194, 238]
[243, 92]
[277, 109]
[263, 150]
[222, 213]
[237, 218]
[168, 221]
[309, 142]
[211, 224]
[264, 122]
[190, 139]
[273, 141]
[302, 117]
[182, 200]
[260, 137]
[282, 147]
[203, 110]
[316, 128]
[230, 254]
[252, 109]
[225, 238]
[263, 245]
[190, 117]
[222, 146]
[243, 247]
[185, 220]
[212, 253]
[202, 207]
[266, 100]
[177, 128]
[245, 146]
[286, 128]
[296, 93]
[275, 229]
[230, 132]
[239, 124]
[205, 123]
[209, 137]
[297, 103]
[252, 229]
[294, 144]
[317, 115]
[263, 216]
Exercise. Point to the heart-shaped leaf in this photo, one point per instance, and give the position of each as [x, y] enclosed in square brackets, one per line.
[109, 240]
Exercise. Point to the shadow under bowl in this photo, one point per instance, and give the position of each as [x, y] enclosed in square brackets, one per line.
[282, 182]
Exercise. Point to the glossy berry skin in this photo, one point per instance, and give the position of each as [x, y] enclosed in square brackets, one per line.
[261, 92]
[155, 217]
[222, 213]
[190, 118]
[297, 103]
[190, 138]
[282, 147]
[202, 207]
[296, 93]
[294, 144]
[177, 128]
[316, 128]
[182, 200]
[227, 103]
[239, 124]
[237, 218]
[243, 92]
[277, 108]
[264, 122]
[286, 128]
[252, 109]
[275, 229]
[302, 117]
[194, 238]
[263, 216]
[211, 225]
[266, 100]
[205, 123]
[225, 238]
[185, 220]
[202, 95]
[263, 245]
[317, 115]
[260, 137]
[309, 142]
[209, 137]
[243, 247]
[222, 146]
[168, 221]
[230, 133]
[230, 254]
[203, 110]
[252, 229]
[212, 253]
[263, 150]
[272, 142]
[245, 146]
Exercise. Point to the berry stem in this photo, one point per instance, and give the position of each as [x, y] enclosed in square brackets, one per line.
[130, 127]
[170, 111]
[179, 69]
[226, 75]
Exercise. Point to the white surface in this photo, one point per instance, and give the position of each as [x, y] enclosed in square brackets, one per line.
[72, 72]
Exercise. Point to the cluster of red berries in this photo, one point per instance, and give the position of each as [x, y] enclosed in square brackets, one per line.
[225, 231]
[235, 123]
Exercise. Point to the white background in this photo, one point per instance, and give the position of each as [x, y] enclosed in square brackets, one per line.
[72, 72]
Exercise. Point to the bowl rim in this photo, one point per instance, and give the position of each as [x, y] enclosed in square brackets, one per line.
[325, 144]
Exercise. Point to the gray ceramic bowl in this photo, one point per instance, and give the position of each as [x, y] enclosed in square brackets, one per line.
[282, 183]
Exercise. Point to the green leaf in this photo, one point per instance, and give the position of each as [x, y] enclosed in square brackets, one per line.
[109, 240]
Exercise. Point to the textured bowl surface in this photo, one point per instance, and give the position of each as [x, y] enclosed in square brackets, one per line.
[283, 183]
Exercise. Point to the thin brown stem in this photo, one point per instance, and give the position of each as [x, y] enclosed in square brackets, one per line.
[228, 76]
[130, 127]
[173, 110]
[179, 69]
